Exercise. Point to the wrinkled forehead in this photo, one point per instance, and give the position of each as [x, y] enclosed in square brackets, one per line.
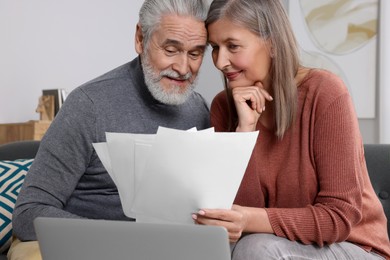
[184, 30]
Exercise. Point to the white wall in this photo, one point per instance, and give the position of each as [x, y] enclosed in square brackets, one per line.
[61, 44]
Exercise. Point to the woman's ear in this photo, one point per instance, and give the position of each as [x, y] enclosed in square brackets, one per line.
[272, 49]
[139, 39]
[272, 53]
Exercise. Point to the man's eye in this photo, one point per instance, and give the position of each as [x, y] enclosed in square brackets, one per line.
[195, 54]
[171, 51]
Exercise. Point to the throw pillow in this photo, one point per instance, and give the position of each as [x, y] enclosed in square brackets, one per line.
[12, 175]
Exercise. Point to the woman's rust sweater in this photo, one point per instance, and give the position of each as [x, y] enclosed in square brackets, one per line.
[314, 183]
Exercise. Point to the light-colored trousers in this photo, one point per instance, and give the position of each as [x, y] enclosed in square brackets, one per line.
[270, 247]
[24, 250]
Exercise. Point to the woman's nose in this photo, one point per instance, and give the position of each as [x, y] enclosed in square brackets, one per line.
[221, 59]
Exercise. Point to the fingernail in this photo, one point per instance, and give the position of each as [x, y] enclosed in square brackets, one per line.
[194, 216]
[264, 108]
[271, 98]
[201, 212]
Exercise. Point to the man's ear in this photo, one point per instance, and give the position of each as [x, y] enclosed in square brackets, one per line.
[139, 39]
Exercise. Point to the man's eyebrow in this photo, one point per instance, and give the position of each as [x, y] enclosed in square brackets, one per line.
[172, 42]
[180, 44]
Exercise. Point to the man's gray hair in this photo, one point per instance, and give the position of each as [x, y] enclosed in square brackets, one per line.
[153, 10]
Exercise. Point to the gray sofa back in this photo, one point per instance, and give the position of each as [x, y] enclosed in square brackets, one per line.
[19, 150]
[378, 166]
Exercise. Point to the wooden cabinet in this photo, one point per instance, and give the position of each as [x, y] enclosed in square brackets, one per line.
[31, 130]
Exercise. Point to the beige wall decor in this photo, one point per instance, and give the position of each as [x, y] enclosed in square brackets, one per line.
[46, 108]
[341, 36]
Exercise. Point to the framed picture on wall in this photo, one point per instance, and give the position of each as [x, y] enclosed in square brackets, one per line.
[341, 36]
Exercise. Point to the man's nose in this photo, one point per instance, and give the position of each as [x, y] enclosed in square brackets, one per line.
[181, 64]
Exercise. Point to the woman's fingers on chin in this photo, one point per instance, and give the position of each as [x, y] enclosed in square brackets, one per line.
[266, 95]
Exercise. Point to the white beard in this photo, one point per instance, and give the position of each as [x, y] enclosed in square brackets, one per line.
[176, 95]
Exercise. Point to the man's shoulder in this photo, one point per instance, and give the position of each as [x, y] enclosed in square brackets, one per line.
[113, 82]
[119, 73]
[105, 88]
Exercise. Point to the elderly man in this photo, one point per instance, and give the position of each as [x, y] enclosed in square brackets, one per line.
[67, 179]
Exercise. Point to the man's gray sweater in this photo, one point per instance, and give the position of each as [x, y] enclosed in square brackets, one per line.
[67, 179]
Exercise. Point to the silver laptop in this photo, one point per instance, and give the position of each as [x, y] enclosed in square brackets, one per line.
[86, 239]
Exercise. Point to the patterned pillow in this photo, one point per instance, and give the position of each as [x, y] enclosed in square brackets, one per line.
[12, 175]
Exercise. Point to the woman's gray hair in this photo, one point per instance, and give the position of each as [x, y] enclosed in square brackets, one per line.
[269, 20]
[152, 11]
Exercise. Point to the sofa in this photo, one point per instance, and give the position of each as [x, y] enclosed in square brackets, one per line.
[377, 159]
[15, 159]
[378, 166]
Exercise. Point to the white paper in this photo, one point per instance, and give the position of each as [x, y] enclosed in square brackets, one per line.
[170, 175]
[188, 171]
[121, 148]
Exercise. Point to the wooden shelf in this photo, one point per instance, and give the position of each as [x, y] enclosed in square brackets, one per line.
[31, 130]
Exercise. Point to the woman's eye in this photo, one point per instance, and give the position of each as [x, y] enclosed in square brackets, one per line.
[233, 46]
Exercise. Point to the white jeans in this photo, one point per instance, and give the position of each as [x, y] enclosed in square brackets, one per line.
[270, 247]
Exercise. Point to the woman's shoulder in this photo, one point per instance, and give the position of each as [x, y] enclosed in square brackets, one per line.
[319, 81]
[220, 95]
[220, 99]
[322, 88]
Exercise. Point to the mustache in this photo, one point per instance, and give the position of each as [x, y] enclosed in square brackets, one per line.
[175, 75]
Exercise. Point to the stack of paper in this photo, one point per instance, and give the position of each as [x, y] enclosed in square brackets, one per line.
[170, 175]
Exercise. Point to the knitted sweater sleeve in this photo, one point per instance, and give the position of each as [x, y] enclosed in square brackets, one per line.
[62, 159]
[338, 157]
[337, 154]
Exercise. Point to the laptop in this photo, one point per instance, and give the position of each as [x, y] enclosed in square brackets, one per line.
[86, 239]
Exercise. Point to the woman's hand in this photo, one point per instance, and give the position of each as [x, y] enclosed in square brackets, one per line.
[250, 103]
[234, 220]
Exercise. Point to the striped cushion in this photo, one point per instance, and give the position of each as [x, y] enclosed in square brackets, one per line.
[12, 174]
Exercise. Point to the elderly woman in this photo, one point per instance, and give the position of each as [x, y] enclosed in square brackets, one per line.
[306, 193]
